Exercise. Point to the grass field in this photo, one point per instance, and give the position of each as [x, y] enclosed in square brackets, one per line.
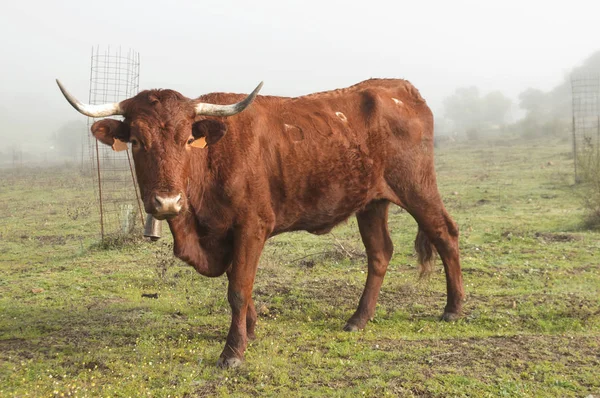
[73, 321]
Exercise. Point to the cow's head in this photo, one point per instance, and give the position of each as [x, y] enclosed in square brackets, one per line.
[162, 129]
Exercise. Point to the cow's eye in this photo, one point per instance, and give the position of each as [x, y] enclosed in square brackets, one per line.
[191, 140]
[134, 142]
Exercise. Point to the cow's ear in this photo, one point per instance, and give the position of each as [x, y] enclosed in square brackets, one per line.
[107, 130]
[212, 130]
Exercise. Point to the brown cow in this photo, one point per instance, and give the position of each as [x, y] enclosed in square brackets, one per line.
[285, 164]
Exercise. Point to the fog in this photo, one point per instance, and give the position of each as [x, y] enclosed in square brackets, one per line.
[296, 47]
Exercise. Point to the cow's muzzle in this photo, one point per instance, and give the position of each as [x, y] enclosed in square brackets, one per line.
[166, 207]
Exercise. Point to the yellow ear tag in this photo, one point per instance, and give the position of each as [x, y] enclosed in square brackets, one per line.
[119, 145]
[199, 143]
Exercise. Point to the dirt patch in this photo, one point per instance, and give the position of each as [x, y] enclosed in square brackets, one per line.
[417, 301]
[481, 272]
[557, 237]
[510, 234]
[566, 306]
[334, 292]
[586, 268]
[52, 240]
[93, 365]
[27, 349]
[279, 299]
[204, 389]
[344, 294]
[307, 263]
[512, 352]
[15, 344]
[204, 333]
[274, 288]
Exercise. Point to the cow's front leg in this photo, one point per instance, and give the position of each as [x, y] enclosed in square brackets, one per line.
[251, 318]
[248, 245]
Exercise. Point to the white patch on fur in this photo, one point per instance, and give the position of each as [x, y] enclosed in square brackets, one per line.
[397, 101]
[342, 117]
[295, 132]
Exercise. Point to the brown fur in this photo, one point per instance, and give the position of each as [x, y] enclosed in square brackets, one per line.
[288, 164]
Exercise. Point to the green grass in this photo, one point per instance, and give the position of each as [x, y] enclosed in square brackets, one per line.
[73, 320]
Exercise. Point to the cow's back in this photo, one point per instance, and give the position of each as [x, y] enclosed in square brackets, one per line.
[319, 158]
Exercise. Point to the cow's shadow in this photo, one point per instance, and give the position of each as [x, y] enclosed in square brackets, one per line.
[39, 332]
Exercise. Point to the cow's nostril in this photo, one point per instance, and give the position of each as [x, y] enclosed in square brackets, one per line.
[157, 202]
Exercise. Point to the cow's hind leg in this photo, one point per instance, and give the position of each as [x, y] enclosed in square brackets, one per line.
[437, 227]
[372, 223]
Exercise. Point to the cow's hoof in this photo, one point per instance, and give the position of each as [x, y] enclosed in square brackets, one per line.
[251, 336]
[352, 327]
[450, 316]
[227, 363]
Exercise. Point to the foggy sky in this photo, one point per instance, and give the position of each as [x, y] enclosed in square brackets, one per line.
[296, 47]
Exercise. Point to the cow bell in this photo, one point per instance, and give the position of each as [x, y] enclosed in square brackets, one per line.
[153, 228]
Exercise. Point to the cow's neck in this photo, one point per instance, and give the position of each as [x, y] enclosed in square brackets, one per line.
[210, 256]
[207, 193]
[197, 239]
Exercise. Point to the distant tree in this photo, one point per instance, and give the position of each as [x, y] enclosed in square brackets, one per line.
[68, 139]
[495, 108]
[470, 112]
[442, 125]
[547, 113]
[533, 101]
[591, 63]
[464, 108]
[554, 106]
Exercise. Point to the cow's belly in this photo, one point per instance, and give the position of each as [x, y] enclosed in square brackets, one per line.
[323, 206]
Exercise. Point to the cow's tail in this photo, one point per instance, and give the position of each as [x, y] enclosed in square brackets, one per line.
[425, 254]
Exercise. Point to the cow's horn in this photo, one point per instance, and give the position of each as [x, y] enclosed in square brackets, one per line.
[91, 110]
[203, 109]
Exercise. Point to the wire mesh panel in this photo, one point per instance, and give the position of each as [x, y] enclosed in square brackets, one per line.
[586, 123]
[114, 76]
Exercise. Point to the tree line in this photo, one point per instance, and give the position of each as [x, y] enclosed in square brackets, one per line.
[470, 113]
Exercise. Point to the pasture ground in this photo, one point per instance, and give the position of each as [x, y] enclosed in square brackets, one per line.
[73, 321]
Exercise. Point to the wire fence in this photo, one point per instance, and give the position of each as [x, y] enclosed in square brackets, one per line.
[114, 76]
[586, 123]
